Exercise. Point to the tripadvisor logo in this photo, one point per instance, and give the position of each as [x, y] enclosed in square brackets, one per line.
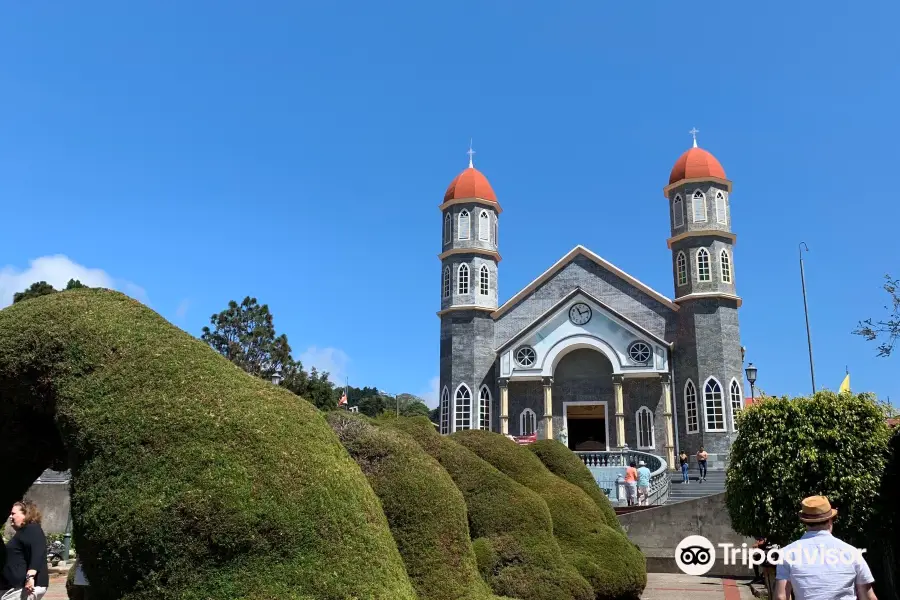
[696, 555]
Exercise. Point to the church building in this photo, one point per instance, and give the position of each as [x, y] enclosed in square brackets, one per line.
[587, 348]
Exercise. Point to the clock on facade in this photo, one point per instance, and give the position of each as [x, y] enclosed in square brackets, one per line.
[580, 313]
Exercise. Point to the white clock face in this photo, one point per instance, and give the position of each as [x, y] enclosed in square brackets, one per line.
[580, 313]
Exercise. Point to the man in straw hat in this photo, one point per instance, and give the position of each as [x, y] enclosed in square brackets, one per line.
[819, 566]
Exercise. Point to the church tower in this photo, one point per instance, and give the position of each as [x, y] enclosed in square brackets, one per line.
[469, 259]
[708, 365]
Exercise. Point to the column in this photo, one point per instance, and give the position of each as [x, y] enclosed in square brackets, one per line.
[504, 406]
[548, 407]
[620, 411]
[666, 380]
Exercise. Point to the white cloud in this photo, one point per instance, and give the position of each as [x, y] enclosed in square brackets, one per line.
[432, 396]
[57, 270]
[332, 360]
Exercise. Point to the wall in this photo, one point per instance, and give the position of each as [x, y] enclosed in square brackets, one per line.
[659, 530]
[52, 500]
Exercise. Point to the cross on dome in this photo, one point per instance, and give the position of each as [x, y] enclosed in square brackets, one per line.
[694, 131]
[470, 153]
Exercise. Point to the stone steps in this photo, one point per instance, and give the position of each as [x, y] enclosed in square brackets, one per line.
[679, 492]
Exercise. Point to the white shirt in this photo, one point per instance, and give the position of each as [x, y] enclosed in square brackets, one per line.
[807, 564]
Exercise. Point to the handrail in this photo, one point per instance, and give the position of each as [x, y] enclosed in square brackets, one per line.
[660, 481]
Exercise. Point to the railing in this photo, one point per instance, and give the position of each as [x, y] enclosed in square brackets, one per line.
[608, 469]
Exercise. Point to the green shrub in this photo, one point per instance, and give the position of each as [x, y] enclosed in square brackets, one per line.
[613, 566]
[190, 478]
[564, 463]
[788, 449]
[510, 524]
[425, 511]
[74, 592]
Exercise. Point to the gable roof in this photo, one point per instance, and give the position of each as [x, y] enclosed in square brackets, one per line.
[616, 316]
[577, 251]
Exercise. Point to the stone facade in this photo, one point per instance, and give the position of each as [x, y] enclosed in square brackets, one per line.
[586, 335]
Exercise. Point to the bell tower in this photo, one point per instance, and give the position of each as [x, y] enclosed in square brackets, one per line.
[469, 258]
[708, 384]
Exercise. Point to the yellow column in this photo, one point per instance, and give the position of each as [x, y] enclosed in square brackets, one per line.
[667, 407]
[620, 411]
[548, 407]
[504, 407]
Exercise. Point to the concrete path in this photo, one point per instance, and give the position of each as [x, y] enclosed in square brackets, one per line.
[666, 586]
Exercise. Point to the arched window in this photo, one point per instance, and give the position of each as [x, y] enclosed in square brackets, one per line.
[644, 424]
[703, 272]
[462, 279]
[463, 408]
[447, 228]
[714, 406]
[445, 287]
[464, 224]
[678, 212]
[681, 266]
[484, 406]
[698, 200]
[690, 407]
[726, 266]
[484, 226]
[445, 411]
[721, 217]
[527, 422]
[737, 402]
[484, 286]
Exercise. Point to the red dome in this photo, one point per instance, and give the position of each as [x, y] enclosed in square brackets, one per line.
[696, 163]
[470, 184]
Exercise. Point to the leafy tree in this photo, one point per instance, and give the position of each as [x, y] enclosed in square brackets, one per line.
[411, 406]
[889, 329]
[42, 288]
[373, 405]
[788, 449]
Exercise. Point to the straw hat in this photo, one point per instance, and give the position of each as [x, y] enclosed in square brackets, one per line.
[816, 509]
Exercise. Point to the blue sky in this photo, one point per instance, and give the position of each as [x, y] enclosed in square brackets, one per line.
[195, 152]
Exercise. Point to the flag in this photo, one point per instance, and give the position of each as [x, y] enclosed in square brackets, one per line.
[845, 385]
[343, 400]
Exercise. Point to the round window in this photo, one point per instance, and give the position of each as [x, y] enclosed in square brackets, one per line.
[526, 356]
[640, 352]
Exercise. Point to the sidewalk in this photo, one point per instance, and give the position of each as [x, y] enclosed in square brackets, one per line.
[667, 586]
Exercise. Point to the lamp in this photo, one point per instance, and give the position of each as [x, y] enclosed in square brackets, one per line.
[277, 378]
[751, 377]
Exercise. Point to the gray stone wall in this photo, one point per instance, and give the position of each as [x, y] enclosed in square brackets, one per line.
[582, 272]
[473, 241]
[690, 247]
[474, 297]
[647, 392]
[686, 192]
[522, 395]
[467, 356]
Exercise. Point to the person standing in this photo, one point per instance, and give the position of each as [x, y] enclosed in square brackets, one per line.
[812, 579]
[25, 574]
[643, 483]
[702, 456]
[685, 476]
[631, 477]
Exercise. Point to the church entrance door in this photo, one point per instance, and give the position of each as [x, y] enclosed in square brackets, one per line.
[587, 425]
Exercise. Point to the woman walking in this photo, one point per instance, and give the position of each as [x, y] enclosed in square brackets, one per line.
[25, 577]
[683, 457]
[702, 456]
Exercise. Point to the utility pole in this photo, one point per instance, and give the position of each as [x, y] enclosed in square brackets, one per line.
[812, 372]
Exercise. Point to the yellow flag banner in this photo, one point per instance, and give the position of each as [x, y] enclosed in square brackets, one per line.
[845, 385]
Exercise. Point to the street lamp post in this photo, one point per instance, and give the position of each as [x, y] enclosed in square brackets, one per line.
[812, 372]
[277, 378]
[751, 377]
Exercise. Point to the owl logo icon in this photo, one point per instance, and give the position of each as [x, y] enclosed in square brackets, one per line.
[695, 555]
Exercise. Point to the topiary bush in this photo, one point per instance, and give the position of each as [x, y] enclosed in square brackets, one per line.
[510, 525]
[564, 463]
[425, 511]
[788, 449]
[190, 478]
[613, 566]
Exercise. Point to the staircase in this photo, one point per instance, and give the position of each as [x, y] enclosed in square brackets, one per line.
[679, 492]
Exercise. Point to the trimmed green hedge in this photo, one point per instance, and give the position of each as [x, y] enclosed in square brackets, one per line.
[425, 511]
[564, 463]
[191, 479]
[510, 525]
[613, 566]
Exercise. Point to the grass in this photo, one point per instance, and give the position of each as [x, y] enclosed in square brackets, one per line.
[613, 566]
[510, 525]
[191, 479]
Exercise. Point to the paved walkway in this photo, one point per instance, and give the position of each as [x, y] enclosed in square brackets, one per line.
[665, 586]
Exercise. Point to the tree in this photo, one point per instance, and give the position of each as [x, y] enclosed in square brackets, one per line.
[889, 329]
[42, 288]
[245, 334]
[788, 449]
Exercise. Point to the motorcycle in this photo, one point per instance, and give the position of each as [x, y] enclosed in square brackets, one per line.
[55, 553]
